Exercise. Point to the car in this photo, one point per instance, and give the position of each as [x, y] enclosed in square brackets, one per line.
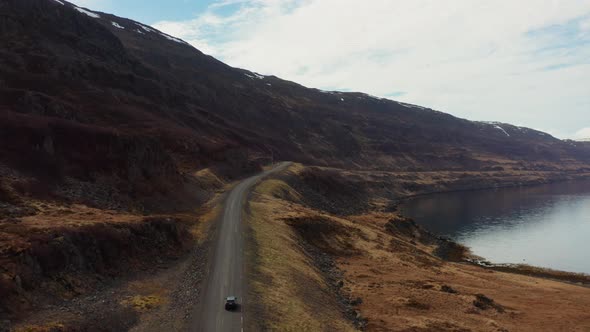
[231, 303]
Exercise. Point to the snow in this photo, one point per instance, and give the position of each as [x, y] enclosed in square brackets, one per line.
[86, 12]
[172, 38]
[502, 129]
[330, 92]
[496, 125]
[147, 29]
[116, 25]
[255, 75]
[61, 3]
[366, 95]
[411, 105]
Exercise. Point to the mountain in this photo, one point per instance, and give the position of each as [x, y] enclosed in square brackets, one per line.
[86, 93]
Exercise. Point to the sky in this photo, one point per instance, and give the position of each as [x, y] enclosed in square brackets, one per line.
[523, 62]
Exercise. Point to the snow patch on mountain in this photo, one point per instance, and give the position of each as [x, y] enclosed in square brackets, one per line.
[255, 75]
[174, 39]
[87, 12]
[329, 92]
[411, 105]
[496, 125]
[146, 29]
[149, 29]
[502, 130]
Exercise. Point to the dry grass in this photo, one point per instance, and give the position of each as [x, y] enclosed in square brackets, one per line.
[580, 278]
[278, 189]
[402, 284]
[206, 216]
[146, 294]
[143, 303]
[207, 178]
[289, 290]
[130, 244]
[49, 327]
[405, 288]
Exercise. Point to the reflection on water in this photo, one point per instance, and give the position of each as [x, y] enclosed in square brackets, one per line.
[546, 225]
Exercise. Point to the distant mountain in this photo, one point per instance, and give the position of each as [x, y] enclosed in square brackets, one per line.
[85, 94]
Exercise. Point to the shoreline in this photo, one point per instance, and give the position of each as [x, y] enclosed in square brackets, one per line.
[399, 201]
[575, 278]
[392, 273]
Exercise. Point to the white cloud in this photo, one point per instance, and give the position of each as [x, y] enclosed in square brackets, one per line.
[583, 133]
[512, 61]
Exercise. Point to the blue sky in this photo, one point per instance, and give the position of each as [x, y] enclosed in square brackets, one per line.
[148, 11]
[524, 62]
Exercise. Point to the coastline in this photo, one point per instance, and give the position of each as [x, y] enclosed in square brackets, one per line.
[570, 277]
[574, 278]
[401, 200]
[363, 264]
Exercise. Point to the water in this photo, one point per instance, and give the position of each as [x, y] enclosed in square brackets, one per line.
[546, 225]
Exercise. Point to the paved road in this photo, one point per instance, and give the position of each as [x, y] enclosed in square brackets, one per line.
[226, 275]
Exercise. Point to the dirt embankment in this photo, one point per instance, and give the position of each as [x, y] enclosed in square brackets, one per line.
[385, 273]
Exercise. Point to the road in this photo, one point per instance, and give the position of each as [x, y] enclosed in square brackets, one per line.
[225, 276]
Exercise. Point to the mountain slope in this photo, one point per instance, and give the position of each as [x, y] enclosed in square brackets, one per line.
[107, 77]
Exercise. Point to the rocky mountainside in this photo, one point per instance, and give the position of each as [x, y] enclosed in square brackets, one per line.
[113, 135]
[85, 93]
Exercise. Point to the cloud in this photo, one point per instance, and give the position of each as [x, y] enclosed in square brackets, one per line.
[522, 62]
[583, 133]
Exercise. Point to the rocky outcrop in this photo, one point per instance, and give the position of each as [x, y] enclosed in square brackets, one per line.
[65, 262]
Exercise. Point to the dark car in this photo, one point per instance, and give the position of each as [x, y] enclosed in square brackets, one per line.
[231, 303]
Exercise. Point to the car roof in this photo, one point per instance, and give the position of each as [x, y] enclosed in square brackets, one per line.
[231, 298]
